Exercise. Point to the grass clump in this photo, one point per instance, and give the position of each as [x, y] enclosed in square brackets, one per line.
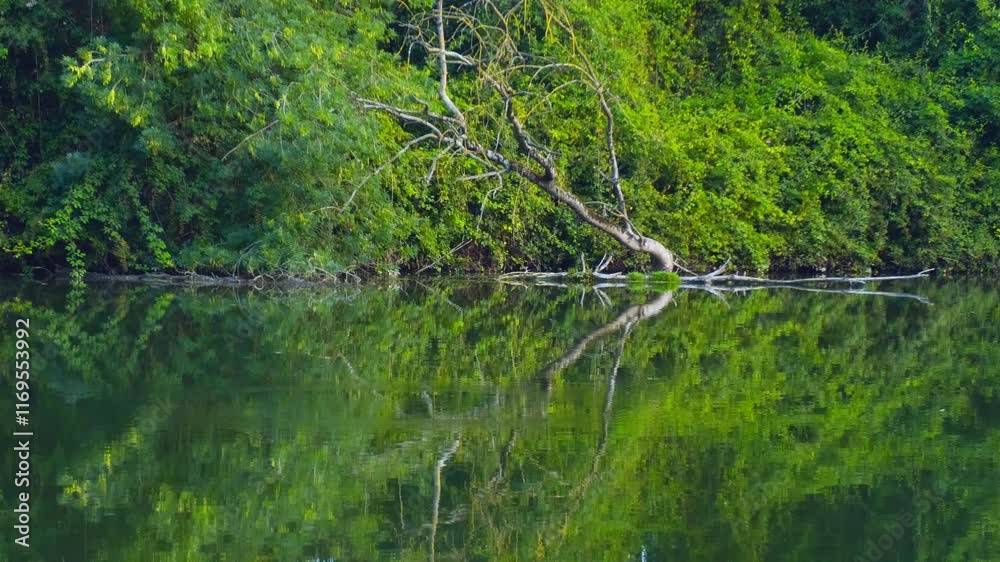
[668, 278]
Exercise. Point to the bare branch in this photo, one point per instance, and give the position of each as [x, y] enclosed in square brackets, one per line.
[248, 137]
[487, 175]
[405, 115]
[437, 261]
[609, 138]
[482, 206]
[443, 67]
[386, 164]
[434, 163]
[718, 276]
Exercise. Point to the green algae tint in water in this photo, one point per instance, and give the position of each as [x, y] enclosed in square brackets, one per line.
[488, 422]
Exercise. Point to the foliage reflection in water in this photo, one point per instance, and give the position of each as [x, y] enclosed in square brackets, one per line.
[467, 421]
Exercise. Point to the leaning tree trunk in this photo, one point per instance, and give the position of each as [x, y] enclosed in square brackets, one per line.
[626, 236]
[500, 68]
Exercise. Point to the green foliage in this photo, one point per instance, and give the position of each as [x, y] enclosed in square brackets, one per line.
[224, 136]
[209, 135]
[665, 278]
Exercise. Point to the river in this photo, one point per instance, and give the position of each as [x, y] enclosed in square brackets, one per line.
[472, 420]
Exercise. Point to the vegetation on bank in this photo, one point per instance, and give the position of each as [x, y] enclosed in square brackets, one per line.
[225, 136]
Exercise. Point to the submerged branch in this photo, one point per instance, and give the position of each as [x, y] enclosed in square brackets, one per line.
[732, 283]
[718, 275]
[691, 281]
[716, 290]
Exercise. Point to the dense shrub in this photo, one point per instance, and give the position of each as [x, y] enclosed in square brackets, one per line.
[223, 136]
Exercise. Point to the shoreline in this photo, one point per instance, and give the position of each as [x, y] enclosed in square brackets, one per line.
[284, 280]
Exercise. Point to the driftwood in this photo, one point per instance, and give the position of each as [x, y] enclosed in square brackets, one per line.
[276, 279]
[717, 276]
[717, 282]
[718, 290]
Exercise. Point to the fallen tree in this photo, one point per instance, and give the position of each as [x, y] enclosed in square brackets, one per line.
[492, 125]
[717, 276]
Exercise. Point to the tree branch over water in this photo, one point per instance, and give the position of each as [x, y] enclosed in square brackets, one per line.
[718, 281]
[504, 76]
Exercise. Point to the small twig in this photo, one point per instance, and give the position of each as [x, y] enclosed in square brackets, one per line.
[386, 164]
[605, 300]
[450, 252]
[498, 173]
[434, 164]
[248, 137]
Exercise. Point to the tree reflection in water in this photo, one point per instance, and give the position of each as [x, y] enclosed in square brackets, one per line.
[484, 422]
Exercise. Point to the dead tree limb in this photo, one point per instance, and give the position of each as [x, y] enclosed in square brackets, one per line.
[737, 289]
[718, 276]
[492, 59]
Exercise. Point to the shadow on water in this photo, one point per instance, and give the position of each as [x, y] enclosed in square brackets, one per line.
[476, 421]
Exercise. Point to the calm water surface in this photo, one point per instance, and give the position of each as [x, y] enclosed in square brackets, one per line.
[477, 421]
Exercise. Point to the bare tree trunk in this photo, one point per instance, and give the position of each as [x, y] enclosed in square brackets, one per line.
[662, 257]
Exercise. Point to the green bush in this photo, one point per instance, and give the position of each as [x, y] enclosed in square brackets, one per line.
[667, 278]
[636, 278]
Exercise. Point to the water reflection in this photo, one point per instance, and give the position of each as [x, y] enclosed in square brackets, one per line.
[487, 422]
